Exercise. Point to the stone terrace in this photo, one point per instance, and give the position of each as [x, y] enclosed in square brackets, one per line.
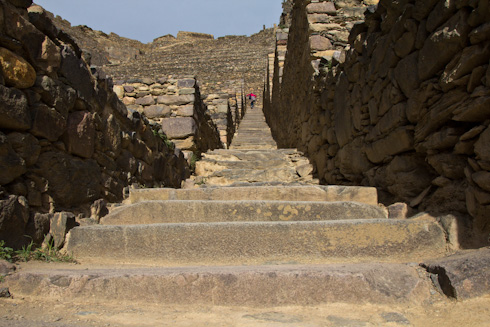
[211, 60]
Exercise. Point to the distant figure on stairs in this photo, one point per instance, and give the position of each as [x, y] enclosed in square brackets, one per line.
[252, 97]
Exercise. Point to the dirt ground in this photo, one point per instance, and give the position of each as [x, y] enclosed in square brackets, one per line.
[38, 312]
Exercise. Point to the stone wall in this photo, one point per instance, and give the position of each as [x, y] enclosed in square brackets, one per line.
[404, 107]
[66, 140]
[175, 108]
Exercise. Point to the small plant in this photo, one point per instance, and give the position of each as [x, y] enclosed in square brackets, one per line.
[194, 159]
[28, 252]
[25, 253]
[170, 145]
[6, 253]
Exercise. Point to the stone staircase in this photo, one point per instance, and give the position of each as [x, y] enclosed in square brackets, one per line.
[271, 238]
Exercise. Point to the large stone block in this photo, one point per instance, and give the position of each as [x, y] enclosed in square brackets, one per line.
[43, 53]
[80, 134]
[399, 141]
[16, 70]
[446, 42]
[26, 146]
[47, 122]
[157, 111]
[186, 111]
[145, 101]
[72, 181]
[471, 58]
[406, 176]
[186, 83]
[77, 74]
[482, 146]
[11, 164]
[325, 7]
[406, 75]
[180, 127]
[176, 100]
[61, 224]
[343, 117]
[14, 215]
[57, 94]
[320, 43]
[463, 276]
[14, 109]
[21, 3]
[394, 118]
[448, 165]
[476, 110]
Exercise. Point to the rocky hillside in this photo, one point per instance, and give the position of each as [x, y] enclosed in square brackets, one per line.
[100, 48]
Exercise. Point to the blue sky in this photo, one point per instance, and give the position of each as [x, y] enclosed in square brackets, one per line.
[145, 20]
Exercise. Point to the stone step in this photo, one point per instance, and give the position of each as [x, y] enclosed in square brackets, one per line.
[331, 193]
[249, 155]
[257, 243]
[250, 286]
[199, 211]
[207, 166]
[254, 147]
[227, 177]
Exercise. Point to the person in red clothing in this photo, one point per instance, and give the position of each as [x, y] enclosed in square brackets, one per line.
[252, 97]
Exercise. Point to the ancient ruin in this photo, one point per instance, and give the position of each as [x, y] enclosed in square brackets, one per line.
[356, 192]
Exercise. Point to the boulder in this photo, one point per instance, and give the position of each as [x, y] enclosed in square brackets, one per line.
[16, 71]
[178, 128]
[14, 215]
[11, 164]
[14, 109]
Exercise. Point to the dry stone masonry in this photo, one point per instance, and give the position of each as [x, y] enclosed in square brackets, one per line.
[354, 95]
[403, 107]
[176, 110]
[66, 140]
